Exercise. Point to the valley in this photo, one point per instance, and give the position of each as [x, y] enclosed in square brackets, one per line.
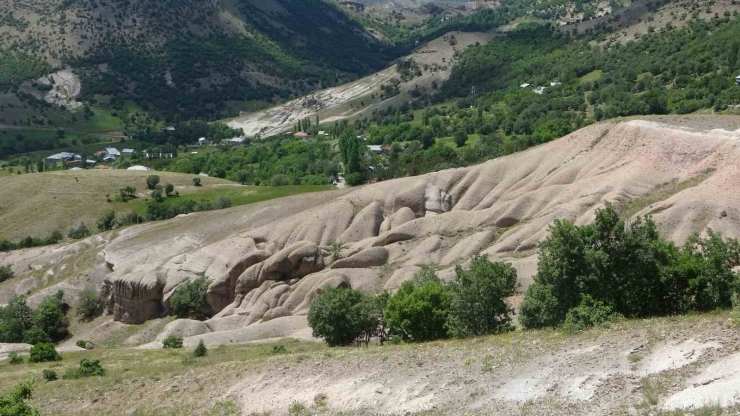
[371, 207]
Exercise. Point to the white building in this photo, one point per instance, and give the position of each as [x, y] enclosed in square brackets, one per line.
[112, 151]
[202, 141]
[54, 159]
[138, 167]
[127, 152]
[525, 85]
[236, 141]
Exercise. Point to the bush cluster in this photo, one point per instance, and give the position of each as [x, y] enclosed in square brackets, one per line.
[172, 342]
[28, 242]
[15, 404]
[189, 300]
[87, 308]
[87, 368]
[595, 273]
[423, 309]
[43, 352]
[18, 323]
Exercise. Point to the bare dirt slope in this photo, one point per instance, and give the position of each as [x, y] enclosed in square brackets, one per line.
[360, 96]
[266, 262]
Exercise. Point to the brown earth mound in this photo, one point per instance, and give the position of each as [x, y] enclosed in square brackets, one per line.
[266, 262]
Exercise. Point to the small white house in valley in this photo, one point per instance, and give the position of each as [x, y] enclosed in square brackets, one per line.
[57, 158]
[127, 152]
[236, 141]
[112, 151]
[202, 141]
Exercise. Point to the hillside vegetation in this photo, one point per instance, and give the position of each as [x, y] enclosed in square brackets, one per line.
[35, 205]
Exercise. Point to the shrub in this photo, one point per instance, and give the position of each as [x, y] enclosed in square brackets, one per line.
[222, 202]
[478, 298]
[152, 181]
[297, 408]
[279, 180]
[196, 181]
[278, 349]
[15, 358]
[588, 313]
[81, 231]
[84, 344]
[189, 299]
[157, 195]
[200, 350]
[172, 342]
[342, 316]
[87, 308]
[354, 179]
[169, 189]
[50, 375]
[130, 218]
[50, 317]
[43, 352]
[107, 221]
[418, 310]
[87, 368]
[6, 273]
[35, 335]
[15, 403]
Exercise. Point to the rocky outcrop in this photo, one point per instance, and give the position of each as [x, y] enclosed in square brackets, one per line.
[375, 256]
[268, 264]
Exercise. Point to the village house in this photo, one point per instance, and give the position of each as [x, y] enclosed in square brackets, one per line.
[127, 152]
[300, 135]
[113, 152]
[375, 148]
[237, 141]
[202, 141]
[53, 160]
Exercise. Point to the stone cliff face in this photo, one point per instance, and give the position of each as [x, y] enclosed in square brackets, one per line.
[266, 265]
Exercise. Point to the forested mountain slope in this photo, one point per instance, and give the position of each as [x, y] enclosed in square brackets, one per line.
[187, 57]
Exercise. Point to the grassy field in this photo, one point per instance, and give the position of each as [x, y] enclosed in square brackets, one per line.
[591, 76]
[239, 194]
[36, 204]
[450, 142]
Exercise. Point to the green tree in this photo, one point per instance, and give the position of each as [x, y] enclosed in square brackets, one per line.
[200, 350]
[15, 319]
[196, 181]
[418, 310]
[157, 195]
[152, 181]
[169, 189]
[340, 316]
[461, 137]
[87, 307]
[50, 317]
[189, 299]
[35, 335]
[243, 177]
[107, 221]
[478, 298]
